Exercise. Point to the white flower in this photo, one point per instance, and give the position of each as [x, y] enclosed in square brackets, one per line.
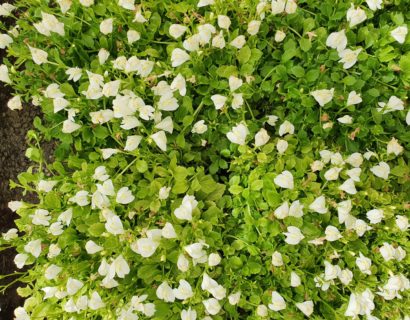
[212, 306]
[53, 251]
[103, 55]
[355, 15]
[184, 211]
[237, 100]
[280, 36]
[218, 41]
[160, 140]
[114, 225]
[360, 304]
[238, 134]
[224, 22]
[219, 101]
[164, 193]
[132, 143]
[284, 180]
[296, 209]
[332, 233]
[74, 74]
[399, 34]
[272, 120]
[361, 227]
[214, 259]
[262, 311]
[196, 251]
[91, 247]
[95, 301]
[10, 234]
[20, 260]
[177, 30]
[110, 89]
[179, 57]
[234, 298]
[306, 307]
[337, 40]
[261, 138]
[345, 119]
[21, 314]
[349, 57]
[238, 42]
[282, 211]
[278, 303]
[188, 314]
[402, 222]
[191, 43]
[291, 6]
[179, 84]
[182, 263]
[139, 17]
[382, 170]
[127, 4]
[15, 103]
[345, 276]
[253, 27]
[319, 205]
[87, 3]
[6, 9]
[336, 159]
[184, 290]
[293, 236]
[165, 292]
[355, 159]
[70, 126]
[234, 83]
[364, 264]
[387, 251]
[354, 174]
[331, 271]
[52, 272]
[295, 280]
[4, 74]
[394, 104]
[124, 196]
[204, 3]
[108, 152]
[278, 6]
[277, 260]
[323, 96]
[119, 267]
[375, 216]
[374, 4]
[199, 127]
[348, 186]
[73, 286]
[106, 26]
[65, 5]
[146, 247]
[33, 247]
[394, 147]
[282, 146]
[5, 40]
[39, 56]
[41, 217]
[168, 231]
[286, 128]
[354, 98]
[133, 36]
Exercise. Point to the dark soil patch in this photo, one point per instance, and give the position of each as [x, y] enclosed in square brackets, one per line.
[13, 129]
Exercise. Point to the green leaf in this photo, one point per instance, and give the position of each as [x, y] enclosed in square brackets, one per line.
[244, 54]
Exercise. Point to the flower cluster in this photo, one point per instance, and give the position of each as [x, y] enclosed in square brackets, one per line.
[215, 160]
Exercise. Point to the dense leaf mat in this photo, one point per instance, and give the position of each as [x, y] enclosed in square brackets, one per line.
[216, 159]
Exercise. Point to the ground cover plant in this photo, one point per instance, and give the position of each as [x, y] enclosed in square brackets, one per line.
[215, 159]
